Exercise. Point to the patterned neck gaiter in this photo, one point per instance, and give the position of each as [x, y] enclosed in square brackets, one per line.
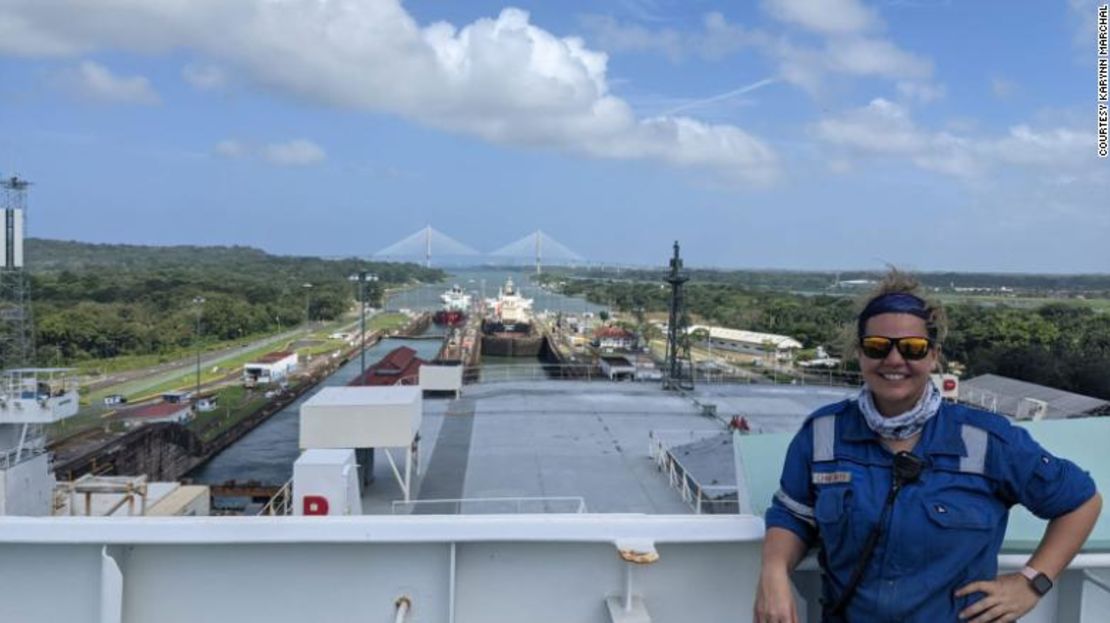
[901, 426]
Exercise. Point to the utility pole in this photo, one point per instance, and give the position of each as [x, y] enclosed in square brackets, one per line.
[199, 302]
[362, 277]
[307, 300]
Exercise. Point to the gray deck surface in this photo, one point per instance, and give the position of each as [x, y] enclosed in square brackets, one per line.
[528, 439]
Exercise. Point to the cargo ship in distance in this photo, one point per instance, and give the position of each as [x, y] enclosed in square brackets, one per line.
[456, 304]
[509, 330]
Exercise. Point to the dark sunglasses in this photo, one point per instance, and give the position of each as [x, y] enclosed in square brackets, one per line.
[911, 348]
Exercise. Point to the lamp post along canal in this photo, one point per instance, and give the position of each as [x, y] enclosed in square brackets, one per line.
[307, 302]
[362, 277]
[199, 303]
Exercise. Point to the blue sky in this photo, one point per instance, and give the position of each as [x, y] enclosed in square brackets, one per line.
[781, 133]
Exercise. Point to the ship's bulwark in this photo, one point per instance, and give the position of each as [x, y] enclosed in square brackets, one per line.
[512, 345]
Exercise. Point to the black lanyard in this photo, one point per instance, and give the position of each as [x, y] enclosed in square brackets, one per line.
[907, 469]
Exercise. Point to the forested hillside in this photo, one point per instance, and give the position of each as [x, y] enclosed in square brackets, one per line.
[1096, 285]
[1064, 345]
[95, 301]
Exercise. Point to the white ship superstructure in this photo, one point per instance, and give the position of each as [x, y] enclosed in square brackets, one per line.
[510, 307]
[455, 299]
[30, 398]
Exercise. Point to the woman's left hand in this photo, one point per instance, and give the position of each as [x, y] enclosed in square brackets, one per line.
[1005, 599]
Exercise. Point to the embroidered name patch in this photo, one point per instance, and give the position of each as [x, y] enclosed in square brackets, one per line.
[828, 478]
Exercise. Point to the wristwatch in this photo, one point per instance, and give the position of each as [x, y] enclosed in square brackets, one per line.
[1039, 581]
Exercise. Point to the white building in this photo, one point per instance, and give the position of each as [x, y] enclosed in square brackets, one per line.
[750, 342]
[614, 338]
[270, 368]
[617, 368]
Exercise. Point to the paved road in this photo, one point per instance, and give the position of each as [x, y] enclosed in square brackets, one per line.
[135, 381]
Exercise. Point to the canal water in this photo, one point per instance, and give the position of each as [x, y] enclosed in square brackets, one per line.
[267, 453]
[484, 283]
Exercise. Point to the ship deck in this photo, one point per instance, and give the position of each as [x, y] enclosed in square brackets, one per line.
[523, 440]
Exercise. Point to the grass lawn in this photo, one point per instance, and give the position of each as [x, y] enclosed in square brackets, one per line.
[124, 363]
[386, 322]
[88, 418]
[235, 403]
[187, 380]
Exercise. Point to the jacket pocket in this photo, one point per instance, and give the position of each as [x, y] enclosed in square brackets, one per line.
[833, 511]
[958, 515]
[957, 542]
[831, 504]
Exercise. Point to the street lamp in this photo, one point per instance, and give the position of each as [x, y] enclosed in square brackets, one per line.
[362, 277]
[199, 302]
[307, 310]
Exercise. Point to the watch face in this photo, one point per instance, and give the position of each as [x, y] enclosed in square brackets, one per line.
[1042, 584]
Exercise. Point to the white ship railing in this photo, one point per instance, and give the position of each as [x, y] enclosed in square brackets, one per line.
[493, 505]
[281, 503]
[702, 498]
[503, 373]
[14, 456]
[588, 568]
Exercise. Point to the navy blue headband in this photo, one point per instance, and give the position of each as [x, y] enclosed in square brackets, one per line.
[894, 303]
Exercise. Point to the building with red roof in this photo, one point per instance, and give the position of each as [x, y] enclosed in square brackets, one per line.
[613, 337]
[400, 366]
[158, 412]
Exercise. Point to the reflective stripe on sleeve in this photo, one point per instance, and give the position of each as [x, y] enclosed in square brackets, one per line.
[975, 442]
[824, 438]
[796, 508]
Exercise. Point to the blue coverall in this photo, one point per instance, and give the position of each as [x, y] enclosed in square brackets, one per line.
[945, 530]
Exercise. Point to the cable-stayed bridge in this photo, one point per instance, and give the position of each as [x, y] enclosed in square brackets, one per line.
[536, 246]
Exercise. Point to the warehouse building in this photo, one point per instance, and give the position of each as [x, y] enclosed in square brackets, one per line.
[1022, 400]
[749, 342]
[272, 367]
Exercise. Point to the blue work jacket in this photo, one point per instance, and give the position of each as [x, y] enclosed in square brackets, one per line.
[944, 531]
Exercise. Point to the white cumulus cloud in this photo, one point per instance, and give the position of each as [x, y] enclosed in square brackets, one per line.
[830, 17]
[852, 45]
[231, 148]
[849, 43]
[299, 152]
[292, 153]
[503, 79]
[95, 81]
[884, 128]
[717, 39]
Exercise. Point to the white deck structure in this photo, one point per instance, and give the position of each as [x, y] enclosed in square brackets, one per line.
[481, 569]
[30, 398]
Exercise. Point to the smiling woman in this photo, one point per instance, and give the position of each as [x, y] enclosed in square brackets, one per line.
[909, 496]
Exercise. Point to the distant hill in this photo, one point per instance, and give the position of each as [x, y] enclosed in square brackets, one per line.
[51, 255]
[102, 300]
[851, 282]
